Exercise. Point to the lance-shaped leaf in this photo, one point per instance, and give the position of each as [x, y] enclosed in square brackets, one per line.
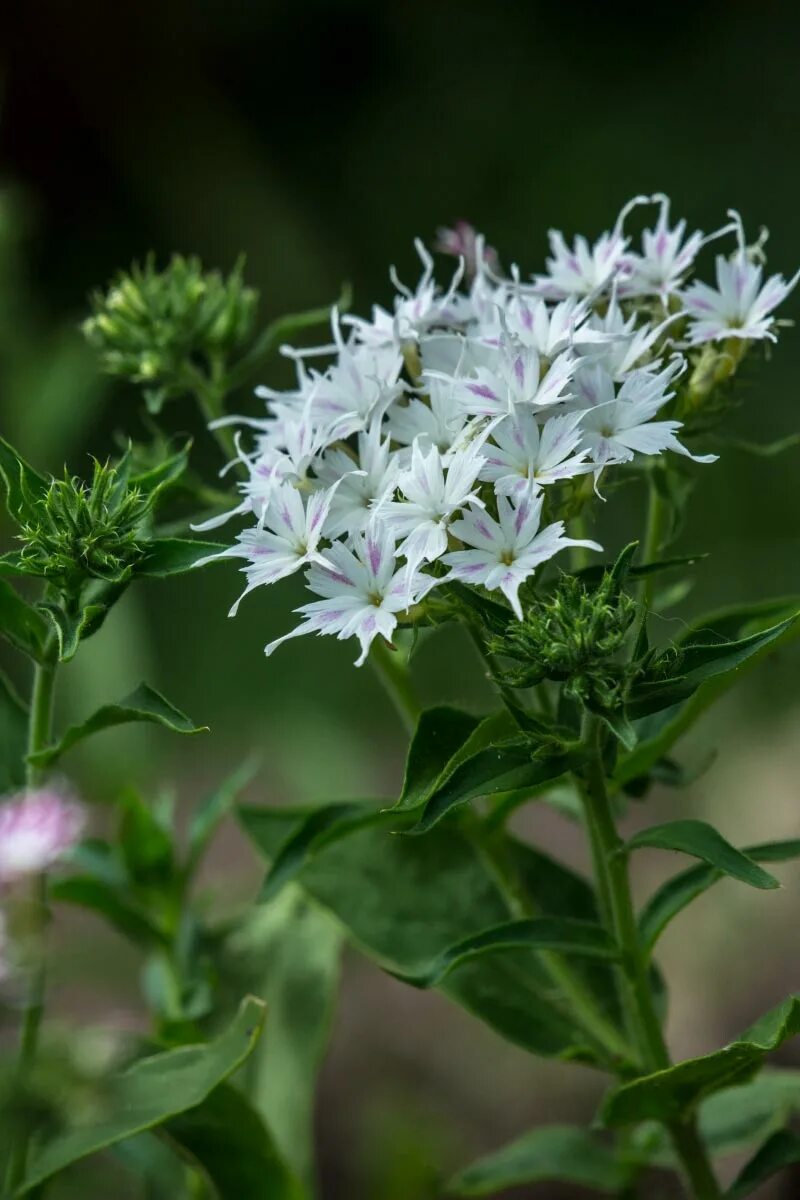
[143, 704]
[780, 1151]
[13, 736]
[213, 809]
[405, 900]
[149, 1093]
[552, 1154]
[702, 840]
[700, 662]
[20, 623]
[659, 732]
[73, 628]
[174, 556]
[505, 767]
[153, 482]
[318, 827]
[228, 1140]
[23, 485]
[595, 571]
[111, 904]
[671, 1094]
[562, 934]
[674, 895]
[440, 733]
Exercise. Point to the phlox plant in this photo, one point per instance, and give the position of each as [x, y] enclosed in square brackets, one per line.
[442, 460]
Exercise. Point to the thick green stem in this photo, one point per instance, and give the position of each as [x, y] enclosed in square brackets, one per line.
[396, 679]
[644, 1027]
[39, 730]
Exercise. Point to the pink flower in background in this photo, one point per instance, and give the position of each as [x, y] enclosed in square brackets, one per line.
[464, 241]
[37, 828]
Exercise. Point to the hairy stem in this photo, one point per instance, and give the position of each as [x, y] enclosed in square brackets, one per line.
[644, 1027]
[39, 729]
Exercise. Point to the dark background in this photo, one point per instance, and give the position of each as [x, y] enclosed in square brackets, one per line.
[321, 138]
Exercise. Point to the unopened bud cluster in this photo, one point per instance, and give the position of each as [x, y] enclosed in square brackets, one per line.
[151, 326]
[82, 530]
[572, 636]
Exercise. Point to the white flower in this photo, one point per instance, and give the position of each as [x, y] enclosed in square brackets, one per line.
[665, 257]
[584, 270]
[509, 550]
[363, 592]
[617, 427]
[441, 422]
[416, 311]
[362, 483]
[360, 384]
[433, 494]
[525, 455]
[37, 828]
[532, 323]
[741, 305]
[286, 538]
[518, 375]
[621, 344]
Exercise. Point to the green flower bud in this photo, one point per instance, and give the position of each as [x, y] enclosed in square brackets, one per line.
[160, 327]
[572, 636]
[86, 531]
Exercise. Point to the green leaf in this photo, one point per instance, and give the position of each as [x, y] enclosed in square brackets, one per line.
[778, 1152]
[143, 704]
[13, 736]
[106, 901]
[674, 895]
[293, 949]
[405, 900]
[281, 330]
[702, 840]
[153, 482]
[441, 732]
[23, 485]
[565, 935]
[764, 449]
[318, 828]
[671, 1094]
[701, 662]
[227, 1138]
[21, 623]
[735, 1118]
[150, 1092]
[554, 1153]
[658, 733]
[174, 556]
[73, 628]
[504, 767]
[595, 571]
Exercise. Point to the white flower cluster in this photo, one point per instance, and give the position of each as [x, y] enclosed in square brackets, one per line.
[422, 445]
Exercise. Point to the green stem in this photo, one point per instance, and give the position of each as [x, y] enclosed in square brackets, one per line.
[39, 730]
[611, 866]
[396, 679]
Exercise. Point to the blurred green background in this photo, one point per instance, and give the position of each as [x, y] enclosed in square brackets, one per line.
[320, 139]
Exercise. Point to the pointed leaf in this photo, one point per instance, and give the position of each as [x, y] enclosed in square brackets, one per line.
[143, 704]
[504, 767]
[562, 934]
[109, 903]
[659, 732]
[150, 1092]
[212, 811]
[154, 481]
[595, 571]
[702, 840]
[320, 827]
[554, 1153]
[72, 628]
[671, 1094]
[23, 485]
[13, 736]
[440, 733]
[21, 623]
[174, 556]
[674, 895]
[227, 1138]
